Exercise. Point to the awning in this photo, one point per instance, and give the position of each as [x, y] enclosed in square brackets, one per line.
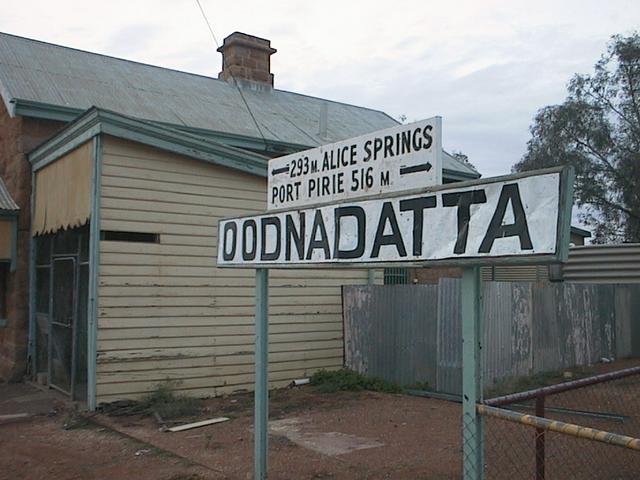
[63, 192]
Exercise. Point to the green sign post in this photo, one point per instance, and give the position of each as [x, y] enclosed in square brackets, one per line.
[472, 437]
[511, 220]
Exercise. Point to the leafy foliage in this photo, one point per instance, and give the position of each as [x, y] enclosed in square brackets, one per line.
[597, 130]
[346, 379]
[463, 158]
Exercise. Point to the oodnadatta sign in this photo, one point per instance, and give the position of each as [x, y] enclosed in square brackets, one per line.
[505, 217]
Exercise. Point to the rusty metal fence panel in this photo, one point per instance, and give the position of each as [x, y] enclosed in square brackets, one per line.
[390, 331]
[412, 333]
[449, 340]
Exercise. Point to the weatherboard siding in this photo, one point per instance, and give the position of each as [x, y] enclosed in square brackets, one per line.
[167, 312]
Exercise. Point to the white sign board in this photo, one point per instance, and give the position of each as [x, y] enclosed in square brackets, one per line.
[401, 158]
[516, 216]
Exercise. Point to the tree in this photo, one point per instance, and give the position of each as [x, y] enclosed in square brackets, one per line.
[597, 130]
[463, 158]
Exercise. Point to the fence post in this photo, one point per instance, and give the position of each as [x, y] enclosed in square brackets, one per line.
[540, 440]
[261, 396]
[472, 435]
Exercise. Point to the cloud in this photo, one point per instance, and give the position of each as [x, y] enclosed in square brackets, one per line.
[486, 67]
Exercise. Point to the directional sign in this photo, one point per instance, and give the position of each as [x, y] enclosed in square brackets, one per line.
[398, 159]
[525, 215]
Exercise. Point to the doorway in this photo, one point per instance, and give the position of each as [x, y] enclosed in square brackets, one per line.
[62, 269]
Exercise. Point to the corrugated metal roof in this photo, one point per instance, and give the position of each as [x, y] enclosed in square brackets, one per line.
[603, 264]
[6, 202]
[50, 74]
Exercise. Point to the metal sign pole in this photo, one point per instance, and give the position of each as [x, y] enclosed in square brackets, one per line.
[261, 395]
[472, 438]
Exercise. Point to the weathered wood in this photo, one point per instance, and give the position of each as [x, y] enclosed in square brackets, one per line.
[203, 423]
[208, 382]
[178, 374]
[204, 392]
[165, 309]
[184, 363]
[134, 195]
[283, 319]
[123, 356]
[180, 188]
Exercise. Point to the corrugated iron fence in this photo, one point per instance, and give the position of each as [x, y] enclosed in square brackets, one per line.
[412, 333]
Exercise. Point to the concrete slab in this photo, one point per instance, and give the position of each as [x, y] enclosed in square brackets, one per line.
[327, 443]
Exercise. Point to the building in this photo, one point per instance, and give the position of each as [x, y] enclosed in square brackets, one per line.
[8, 244]
[115, 287]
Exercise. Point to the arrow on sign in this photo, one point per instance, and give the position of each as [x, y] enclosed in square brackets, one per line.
[425, 167]
[278, 171]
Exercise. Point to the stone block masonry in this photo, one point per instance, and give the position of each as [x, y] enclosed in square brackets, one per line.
[18, 136]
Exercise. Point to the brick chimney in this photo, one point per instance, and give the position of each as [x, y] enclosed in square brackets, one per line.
[246, 57]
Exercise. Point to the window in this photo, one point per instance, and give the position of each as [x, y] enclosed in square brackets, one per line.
[396, 276]
[137, 237]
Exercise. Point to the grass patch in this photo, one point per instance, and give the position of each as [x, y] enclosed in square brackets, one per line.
[169, 405]
[347, 380]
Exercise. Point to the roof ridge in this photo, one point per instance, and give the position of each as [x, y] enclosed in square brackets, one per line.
[120, 59]
[109, 56]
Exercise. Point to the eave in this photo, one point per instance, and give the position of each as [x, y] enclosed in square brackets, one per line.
[28, 108]
[96, 121]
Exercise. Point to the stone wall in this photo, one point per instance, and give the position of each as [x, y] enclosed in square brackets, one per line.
[18, 136]
[433, 275]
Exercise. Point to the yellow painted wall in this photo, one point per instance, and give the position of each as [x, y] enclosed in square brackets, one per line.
[166, 311]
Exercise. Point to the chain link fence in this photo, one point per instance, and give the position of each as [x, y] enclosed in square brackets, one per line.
[583, 429]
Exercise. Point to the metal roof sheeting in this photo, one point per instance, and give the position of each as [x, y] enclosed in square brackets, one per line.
[603, 264]
[49, 74]
[586, 264]
[6, 202]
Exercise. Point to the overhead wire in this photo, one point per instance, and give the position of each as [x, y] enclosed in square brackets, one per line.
[235, 82]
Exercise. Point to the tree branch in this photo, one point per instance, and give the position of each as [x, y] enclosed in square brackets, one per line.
[614, 109]
[632, 92]
[617, 207]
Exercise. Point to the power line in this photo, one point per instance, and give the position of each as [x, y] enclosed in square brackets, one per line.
[235, 82]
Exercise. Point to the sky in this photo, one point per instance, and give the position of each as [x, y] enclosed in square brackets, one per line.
[485, 66]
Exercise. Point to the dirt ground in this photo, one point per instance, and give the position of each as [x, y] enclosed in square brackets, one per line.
[313, 435]
[363, 435]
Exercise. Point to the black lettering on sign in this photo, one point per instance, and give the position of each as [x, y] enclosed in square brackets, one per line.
[367, 150]
[406, 141]
[519, 228]
[384, 178]
[388, 146]
[226, 253]
[296, 235]
[428, 139]
[264, 223]
[359, 215]
[463, 200]
[377, 146]
[417, 206]
[323, 242]
[417, 140]
[248, 255]
[394, 238]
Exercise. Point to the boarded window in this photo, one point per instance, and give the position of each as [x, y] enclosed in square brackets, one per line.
[136, 237]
